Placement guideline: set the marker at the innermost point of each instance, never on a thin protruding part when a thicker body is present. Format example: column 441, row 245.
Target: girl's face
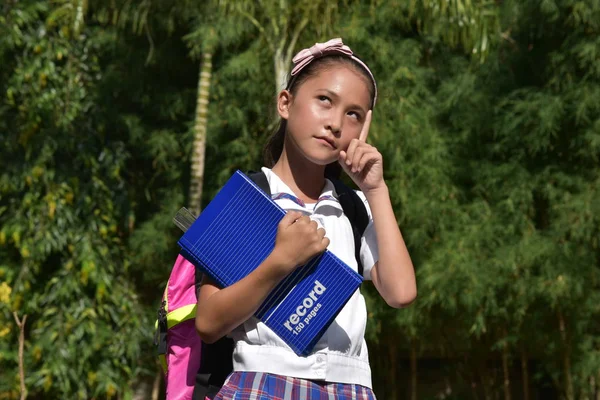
column 326, row 113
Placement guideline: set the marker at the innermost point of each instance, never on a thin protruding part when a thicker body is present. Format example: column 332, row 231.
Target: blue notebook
column 236, row 232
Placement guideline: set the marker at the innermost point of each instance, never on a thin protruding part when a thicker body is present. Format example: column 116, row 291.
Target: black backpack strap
column 355, row 210
column 261, row 181
column 216, row 364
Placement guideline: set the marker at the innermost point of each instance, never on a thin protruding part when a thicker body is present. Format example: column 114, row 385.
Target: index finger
column 365, row 129
column 290, row 217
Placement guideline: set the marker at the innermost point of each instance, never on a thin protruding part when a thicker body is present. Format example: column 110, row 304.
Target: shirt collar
column 286, row 198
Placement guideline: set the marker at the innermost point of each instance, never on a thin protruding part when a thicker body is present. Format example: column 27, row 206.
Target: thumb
column 289, row 218
column 342, row 161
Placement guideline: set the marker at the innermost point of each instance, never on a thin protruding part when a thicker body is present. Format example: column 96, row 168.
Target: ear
column 284, row 102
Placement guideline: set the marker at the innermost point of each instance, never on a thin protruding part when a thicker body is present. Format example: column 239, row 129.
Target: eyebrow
column 337, row 96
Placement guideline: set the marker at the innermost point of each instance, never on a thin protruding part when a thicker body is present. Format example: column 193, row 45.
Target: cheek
column 306, row 114
column 317, row 111
column 346, row 143
column 351, row 132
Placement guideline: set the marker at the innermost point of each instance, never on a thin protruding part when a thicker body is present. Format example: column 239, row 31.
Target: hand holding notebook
column 298, row 240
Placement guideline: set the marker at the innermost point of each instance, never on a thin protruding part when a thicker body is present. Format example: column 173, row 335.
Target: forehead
column 345, row 81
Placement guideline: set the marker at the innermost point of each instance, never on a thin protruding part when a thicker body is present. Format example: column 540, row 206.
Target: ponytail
column 274, row 146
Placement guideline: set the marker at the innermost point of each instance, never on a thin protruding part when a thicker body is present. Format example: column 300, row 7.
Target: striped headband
column 306, row 56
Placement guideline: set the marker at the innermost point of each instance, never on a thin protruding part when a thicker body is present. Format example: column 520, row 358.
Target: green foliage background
column 488, row 120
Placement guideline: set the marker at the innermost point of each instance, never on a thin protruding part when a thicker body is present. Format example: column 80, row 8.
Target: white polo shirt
column 341, row 354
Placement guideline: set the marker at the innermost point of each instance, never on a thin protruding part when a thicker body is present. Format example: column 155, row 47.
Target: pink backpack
column 179, row 346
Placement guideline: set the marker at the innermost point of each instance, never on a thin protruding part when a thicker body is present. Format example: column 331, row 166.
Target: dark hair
column 274, row 146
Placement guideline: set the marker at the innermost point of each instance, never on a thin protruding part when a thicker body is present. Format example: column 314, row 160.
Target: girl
column 325, row 117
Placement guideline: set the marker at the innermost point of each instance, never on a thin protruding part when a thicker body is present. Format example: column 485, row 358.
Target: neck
column 305, row 178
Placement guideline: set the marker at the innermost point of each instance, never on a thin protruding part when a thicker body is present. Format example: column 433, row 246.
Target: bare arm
column 219, row 311
column 393, row 275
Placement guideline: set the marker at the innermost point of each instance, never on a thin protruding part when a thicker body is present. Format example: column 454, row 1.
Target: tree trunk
column 376, row 366
column 471, row 376
column 393, row 372
column 597, row 392
column 282, row 56
column 21, row 326
column 78, row 21
column 156, row 386
column 566, row 358
column 142, row 389
column 200, row 128
column 281, row 64
column 525, row 373
column 474, row 392
column 413, row 370
column 486, row 381
column 384, row 365
column 505, row 369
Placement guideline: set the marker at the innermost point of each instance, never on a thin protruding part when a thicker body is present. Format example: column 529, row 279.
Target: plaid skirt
column 263, row 386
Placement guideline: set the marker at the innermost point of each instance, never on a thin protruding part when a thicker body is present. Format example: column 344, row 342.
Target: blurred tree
column 211, row 29
column 472, row 25
column 524, row 132
column 492, row 167
column 61, row 234
column 281, row 24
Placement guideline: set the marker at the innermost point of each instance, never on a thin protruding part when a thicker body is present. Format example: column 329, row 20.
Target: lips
column 329, row 141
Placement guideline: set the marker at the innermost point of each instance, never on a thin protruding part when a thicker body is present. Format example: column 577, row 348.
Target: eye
column 324, row 98
column 355, row 115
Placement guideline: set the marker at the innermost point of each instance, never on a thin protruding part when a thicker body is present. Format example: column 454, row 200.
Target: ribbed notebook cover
column 236, row 232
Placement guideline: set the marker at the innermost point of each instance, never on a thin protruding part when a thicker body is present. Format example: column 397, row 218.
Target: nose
column 335, row 123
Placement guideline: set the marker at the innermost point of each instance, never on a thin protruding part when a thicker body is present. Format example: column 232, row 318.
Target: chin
column 321, row 157
column 323, row 162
